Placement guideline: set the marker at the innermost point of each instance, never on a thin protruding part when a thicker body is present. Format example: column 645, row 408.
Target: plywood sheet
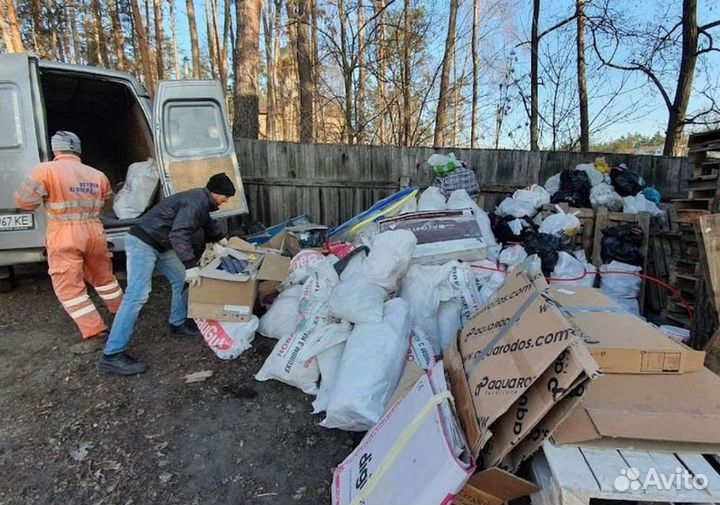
column 189, row 174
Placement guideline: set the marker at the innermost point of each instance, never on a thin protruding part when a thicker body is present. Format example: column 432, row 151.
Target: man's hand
column 219, row 248
column 192, row 277
column 223, row 241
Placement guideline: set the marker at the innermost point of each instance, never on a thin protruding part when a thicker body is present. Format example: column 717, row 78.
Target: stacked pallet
column 685, row 272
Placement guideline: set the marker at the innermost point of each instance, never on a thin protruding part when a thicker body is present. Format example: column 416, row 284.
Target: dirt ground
column 71, row 435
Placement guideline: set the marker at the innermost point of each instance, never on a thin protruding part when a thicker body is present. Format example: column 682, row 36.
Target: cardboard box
column 517, row 357
column 234, row 300
column 494, row 487
column 511, row 342
column 441, row 235
column 621, row 342
column 415, row 454
column 650, row 412
column 559, row 380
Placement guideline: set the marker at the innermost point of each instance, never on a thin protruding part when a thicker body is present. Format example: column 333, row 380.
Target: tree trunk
column 5, row 28
column 315, row 67
column 269, row 30
column 39, row 34
column 347, row 73
column 247, row 69
column 144, row 47
column 406, row 112
column 195, row 48
column 441, row 114
column 75, row 36
column 99, row 34
column 475, row 74
column 52, row 32
column 360, row 107
column 305, row 77
column 13, row 28
column 221, row 66
column 227, row 27
column 534, row 45
column 379, row 6
column 678, row 112
column 582, row 79
column 159, row 38
column 173, row 28
column 118, row 35
column 210, row 43
column 291, row 130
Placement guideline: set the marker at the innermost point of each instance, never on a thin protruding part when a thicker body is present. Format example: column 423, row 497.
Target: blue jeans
column 142, row 260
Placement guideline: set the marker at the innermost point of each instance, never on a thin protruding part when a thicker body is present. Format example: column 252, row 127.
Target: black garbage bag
column 626, row 182
column 502, row 231
column 574, row 189
column 546, row 246
column 622, row 243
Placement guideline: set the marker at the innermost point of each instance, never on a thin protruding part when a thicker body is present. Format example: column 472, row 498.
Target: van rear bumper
column 10, row 257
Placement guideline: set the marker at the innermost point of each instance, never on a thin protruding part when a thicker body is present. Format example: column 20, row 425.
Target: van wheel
column 7, row 279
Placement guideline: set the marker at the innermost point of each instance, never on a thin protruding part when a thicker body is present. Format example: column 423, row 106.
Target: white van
column 185, row 129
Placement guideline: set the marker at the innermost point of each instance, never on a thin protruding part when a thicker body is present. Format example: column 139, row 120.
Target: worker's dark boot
column 120, row 364
column 187, row 329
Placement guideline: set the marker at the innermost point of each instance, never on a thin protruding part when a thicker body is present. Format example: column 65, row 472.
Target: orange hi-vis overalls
column 74, row 194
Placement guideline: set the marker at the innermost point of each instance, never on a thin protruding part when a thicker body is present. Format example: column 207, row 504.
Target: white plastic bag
column 286, row 363
column 302, row 264
column 552, row 185
column 467, row 290
column 370, row 370
column 516, row 208
column 493, row 284
column 604, row 195
column 358, row 300
column 460, row 199
column 228, row 340
column 535, row 195
column 621, row 287
column 513, row 255
column 638, row 203
column 389, row 258
column 282, row 317
column 423, row 288
column 137, row 193
column 431, row 199
column 441, row 160
column 570, row 271
column 329, row 363
column 449, row 322
column 560, row 224
column 596, row 177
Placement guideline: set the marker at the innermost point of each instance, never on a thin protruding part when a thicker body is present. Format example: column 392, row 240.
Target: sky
column 506, row 24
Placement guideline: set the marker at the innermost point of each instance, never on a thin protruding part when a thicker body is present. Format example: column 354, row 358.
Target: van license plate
column 14, row 222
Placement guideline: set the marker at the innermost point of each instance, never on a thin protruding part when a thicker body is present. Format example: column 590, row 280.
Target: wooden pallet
column 577, row 475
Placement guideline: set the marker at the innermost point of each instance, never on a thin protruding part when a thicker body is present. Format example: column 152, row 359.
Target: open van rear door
column 193, row 139
column 22, row 142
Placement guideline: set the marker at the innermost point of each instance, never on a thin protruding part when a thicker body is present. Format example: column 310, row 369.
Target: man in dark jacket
column 162, row 240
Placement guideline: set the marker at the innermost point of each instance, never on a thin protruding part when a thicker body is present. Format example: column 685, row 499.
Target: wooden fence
column 333, row 182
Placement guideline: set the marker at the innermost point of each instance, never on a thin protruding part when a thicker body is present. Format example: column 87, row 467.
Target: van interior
column 107, row 117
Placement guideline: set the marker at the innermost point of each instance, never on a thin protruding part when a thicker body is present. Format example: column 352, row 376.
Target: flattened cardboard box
column 227, row 300
column 621, row 342
column 510, row 343
column 651, row 412
column 560, row 379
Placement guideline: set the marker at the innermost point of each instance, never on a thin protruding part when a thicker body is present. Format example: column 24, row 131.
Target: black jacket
column 172, row 223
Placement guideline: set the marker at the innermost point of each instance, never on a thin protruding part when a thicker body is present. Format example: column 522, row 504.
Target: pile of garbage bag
column 347, row 318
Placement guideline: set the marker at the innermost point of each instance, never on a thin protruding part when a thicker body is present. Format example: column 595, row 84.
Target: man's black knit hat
column 221, row 184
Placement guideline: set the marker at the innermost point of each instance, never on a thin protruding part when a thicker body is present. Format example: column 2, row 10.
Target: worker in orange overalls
column 74, row 194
